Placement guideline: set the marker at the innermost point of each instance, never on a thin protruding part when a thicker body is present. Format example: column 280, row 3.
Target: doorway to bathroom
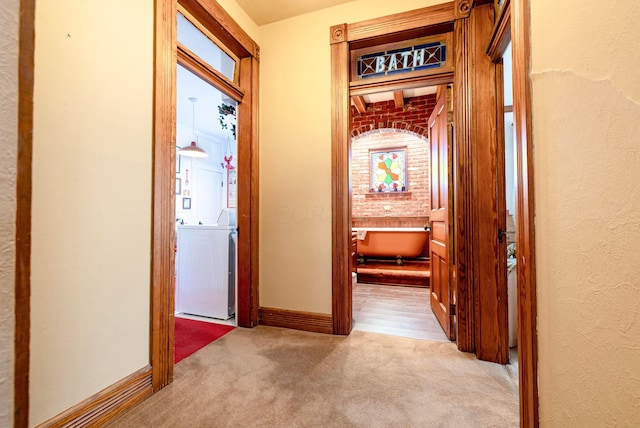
column 480, row 298
column 390, row 207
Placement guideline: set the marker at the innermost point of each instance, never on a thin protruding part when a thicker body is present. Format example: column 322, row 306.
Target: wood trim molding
column 223, row 27
column 360, row 104
column 501, row 33
column 435, row 79
column 401, row 22
column 163, row 214
column 107, row 404
column 338, row 33
column 200, row 26
column 463, row 196
column 22, row 291
column 340, row 190
column 490, row 302
column 192, row 62
column 525, row 211
column 248, row 196
column 296, row 320
column 398, row 98
column 463, row 8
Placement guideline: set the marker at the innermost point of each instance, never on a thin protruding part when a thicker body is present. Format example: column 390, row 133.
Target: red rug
column 191, row 336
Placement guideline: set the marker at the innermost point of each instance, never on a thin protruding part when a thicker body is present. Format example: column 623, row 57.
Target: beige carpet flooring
column 271, row 377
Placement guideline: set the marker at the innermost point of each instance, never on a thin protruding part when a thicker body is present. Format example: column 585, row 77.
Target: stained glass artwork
column 389, row 171
column 413, row 58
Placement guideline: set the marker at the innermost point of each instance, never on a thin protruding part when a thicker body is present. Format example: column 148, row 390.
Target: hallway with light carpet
column 285, row 378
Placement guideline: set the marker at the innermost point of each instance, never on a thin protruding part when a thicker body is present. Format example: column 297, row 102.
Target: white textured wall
column 9, row 16
column 295, row 153
column 91, row 199
column 586, row 125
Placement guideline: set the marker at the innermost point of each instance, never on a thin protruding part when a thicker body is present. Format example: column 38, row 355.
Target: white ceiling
column 267, row 11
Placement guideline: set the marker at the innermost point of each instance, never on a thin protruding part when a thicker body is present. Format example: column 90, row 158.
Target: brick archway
column 408, row 128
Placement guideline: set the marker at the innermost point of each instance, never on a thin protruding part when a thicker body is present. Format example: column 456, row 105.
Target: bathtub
column 382, row 242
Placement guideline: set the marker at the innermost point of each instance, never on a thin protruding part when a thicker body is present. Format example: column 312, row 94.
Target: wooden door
column 441, row 194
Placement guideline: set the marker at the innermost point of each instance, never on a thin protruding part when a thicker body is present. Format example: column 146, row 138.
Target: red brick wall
column 383, row 126
column 412, row 117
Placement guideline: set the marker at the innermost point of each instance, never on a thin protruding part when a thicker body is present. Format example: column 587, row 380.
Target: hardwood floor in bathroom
column 395, row 310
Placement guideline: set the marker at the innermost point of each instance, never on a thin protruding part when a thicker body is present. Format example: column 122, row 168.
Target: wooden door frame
column 22, row 303
column 513, row 25
column 525, row 229
column 514, row 21
column 220, row 23
column 475, row 292
column 439, row 18
column 342, row 37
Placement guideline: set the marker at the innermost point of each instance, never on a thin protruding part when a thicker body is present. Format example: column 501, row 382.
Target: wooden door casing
column 440, row 136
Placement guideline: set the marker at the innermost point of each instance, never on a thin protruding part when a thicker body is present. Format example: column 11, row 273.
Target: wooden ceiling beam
column 360, row 104
column 398, row 97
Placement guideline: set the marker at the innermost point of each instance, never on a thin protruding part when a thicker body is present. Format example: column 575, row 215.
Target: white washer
column 206, row 271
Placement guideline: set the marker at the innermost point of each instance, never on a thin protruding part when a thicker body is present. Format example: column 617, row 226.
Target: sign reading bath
column 402, row 60
column 408, row 56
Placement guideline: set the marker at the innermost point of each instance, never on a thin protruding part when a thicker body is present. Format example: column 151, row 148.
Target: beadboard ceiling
column 267, row 11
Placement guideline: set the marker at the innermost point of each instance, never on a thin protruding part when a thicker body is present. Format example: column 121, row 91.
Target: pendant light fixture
column 192, row 150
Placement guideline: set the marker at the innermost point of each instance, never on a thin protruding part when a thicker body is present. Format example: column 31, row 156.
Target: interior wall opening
column 205, row 199
column 205, row 189
column 509, row 166
column 390, row 205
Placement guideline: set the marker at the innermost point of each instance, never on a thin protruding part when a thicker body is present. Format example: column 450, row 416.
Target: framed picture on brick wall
column 389, row 170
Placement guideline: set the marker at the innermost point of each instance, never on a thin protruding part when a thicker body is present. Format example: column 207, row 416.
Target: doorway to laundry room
column 205, row 217
column 205, row 191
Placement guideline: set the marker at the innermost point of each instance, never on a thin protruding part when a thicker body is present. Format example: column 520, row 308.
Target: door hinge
column 501, row 235
column 452, row 309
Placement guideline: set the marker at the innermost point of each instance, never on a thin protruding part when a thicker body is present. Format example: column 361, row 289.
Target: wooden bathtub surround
column 414, row 273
